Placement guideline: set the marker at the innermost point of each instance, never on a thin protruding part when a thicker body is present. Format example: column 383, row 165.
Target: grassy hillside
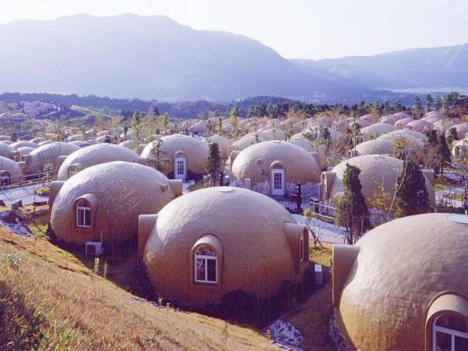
column 50, row 300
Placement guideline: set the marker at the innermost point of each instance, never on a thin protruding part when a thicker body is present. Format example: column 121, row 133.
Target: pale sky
column 312, row 29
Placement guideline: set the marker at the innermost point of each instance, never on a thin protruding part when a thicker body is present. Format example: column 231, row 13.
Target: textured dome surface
column 48, row 153
column 195, row 150
column 11, row 167
column 376, row 171
column 94, row 155
column 401, row 266
column 299, row 165
column 250, row 228
column 123, row 191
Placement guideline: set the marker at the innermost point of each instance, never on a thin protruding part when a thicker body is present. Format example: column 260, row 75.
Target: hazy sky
column 295, row 28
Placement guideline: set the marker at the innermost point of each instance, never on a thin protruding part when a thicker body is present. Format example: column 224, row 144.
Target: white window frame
column 205, row 259
column 180, row 159
column 86, row 211
column 452, row 332
column 277, row 174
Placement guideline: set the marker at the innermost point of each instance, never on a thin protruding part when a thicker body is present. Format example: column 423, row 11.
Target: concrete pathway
column 24, row 193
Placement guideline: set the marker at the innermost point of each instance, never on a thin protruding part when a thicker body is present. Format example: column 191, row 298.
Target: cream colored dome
column 94, row 155
column 375, row 147
column 462, row 130
column 248, row 140
column 7, row 151
column 377, row 171
column 395, row 273
column 420, row 126
column 401, row 123
column 376, row 130
column 118, row 193
column 23, row 143
column 13, row 169
column 298, row 164
column 48, row 153
column 195, row 151
column 224, row 144
column 247, row 230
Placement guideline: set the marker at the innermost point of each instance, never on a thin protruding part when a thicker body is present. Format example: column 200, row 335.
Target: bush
column 43, row 191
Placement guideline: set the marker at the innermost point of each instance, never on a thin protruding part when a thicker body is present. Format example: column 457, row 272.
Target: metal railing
column 24, row 180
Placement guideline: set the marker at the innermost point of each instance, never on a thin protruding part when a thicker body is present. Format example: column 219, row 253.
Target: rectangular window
column 278, row 184
column 83, row 217
column 205, row 269
column 211, row 271
column 180, row 167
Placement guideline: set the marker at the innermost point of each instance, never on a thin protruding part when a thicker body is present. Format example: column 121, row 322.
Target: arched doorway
column 277, row 179
column 180, row 166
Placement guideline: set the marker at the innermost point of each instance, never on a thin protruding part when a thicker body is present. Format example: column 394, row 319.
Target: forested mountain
column 130, row 56
column 421, row 70
column 155, row 58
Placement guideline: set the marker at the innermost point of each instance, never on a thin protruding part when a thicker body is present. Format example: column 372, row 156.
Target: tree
column 219, row 127
column 452, row 136
column 438, row 103
column 158, row 158
column 136, row 127
column 397, row 105
column 234, row 122
column 411, row 196
column 417, row 106
column 386, row 107
column 165, row 121
column 214, row 164
column 429, row 102
column 351, row 208
column 444, row 151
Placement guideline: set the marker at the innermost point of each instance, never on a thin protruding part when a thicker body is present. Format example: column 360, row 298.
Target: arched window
column 450, row 333
column 205, row 265
column 83, row 214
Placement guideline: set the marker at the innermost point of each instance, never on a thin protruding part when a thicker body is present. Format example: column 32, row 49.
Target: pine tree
column 411, row 194
column 214, row 164
column 444, row 151
column 351, row 209
column 417, row 106
column 438, row 103
column 219, row 127
column 429, row 102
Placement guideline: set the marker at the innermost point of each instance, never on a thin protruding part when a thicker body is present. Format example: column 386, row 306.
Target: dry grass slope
column 50, row 300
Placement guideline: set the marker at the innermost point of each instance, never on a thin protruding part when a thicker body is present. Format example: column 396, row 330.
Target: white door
column 180, row 168
column 277, row 181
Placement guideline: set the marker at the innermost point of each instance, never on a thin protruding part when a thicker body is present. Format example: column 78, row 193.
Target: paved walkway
column 24, row 193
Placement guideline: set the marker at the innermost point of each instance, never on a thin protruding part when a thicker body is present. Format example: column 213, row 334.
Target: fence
column 19, row 181
column 328, row 211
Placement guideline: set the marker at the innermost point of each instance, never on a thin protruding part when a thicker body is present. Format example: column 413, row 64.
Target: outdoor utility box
column 93, row 248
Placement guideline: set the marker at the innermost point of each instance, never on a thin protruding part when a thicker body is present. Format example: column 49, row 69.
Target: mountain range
column 155, row 58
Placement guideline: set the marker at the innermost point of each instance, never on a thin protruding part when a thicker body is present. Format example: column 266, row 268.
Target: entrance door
column 180, row 167
column 277, row 181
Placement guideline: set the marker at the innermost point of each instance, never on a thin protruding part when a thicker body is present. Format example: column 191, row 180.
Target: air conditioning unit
column 93, row 248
